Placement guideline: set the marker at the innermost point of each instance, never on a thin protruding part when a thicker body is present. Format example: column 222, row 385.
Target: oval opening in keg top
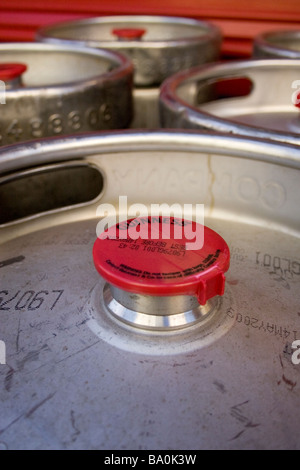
column 222, row 88
column 47, row 188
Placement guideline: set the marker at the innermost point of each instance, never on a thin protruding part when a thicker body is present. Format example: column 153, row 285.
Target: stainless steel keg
column 277, row 44
column 76, row 376
column 157, row 45
column 257, row 98
column 62, row 90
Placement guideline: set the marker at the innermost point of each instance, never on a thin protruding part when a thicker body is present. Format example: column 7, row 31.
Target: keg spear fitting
column 156, row 282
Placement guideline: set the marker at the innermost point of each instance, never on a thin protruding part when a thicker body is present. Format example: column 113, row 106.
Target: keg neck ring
column 157, row 313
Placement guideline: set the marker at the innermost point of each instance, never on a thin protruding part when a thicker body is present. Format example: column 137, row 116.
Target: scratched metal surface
column 76, row 379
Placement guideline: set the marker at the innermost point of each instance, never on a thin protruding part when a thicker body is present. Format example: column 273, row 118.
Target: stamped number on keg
column 286, row 265
column 29, row 299
column 263, row 326
column 13, row 131
column 56, row 124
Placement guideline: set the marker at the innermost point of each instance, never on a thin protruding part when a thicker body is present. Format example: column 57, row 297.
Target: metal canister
column 76, row 372
column 157, row 45
column 258, row 98
column 277, row 44
column 53, row 90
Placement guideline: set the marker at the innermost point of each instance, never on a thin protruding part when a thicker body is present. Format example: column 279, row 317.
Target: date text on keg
column 296, row 354
column 29, row 300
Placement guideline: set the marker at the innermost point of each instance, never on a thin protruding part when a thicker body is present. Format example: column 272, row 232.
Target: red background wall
column 240, row 20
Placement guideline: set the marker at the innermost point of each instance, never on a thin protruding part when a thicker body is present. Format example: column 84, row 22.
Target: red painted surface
column 140, row 256
column 11, row 71
column 240, row 21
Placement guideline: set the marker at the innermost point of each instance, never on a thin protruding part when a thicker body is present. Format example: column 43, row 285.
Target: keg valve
column 129, row 34
column 11, row 74
column 156, row 278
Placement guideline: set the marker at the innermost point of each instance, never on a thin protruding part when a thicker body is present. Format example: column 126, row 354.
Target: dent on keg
column 52, row 90
column 138, row 343
column 157, row 45
column 277, row 44
column 258, row 98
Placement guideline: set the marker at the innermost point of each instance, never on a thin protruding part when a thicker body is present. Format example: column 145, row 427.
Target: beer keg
column 100, row 351
column 50, row 90
column 158, row 46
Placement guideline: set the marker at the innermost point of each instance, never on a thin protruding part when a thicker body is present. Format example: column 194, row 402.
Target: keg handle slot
column 129, row 34
column 223, row 88
column 48, row 188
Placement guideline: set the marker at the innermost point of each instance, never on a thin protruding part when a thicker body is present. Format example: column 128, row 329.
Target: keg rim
column 76, row 147
column 123, row 68
column 268, row 44
column 170, row 100
column 211, row 31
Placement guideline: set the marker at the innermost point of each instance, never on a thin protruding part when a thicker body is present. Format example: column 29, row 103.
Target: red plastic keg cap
column 161, row 266
column 11, row 70
column 128, row 33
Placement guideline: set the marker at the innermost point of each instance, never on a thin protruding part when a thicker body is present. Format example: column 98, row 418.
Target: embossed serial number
column 55, row 124
column 29, row 300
